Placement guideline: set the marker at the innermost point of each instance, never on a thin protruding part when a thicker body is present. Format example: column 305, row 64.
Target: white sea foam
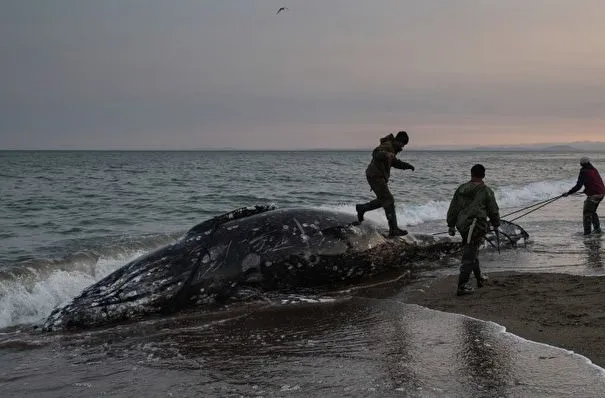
column 508, row 197
column 26, row 303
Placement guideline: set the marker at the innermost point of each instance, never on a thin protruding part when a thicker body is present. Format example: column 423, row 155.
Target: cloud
column 196, row 74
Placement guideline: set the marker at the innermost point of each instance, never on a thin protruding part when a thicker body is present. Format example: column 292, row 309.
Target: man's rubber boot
column 394, row 230
column 596, row 223
column 360, row 212
column 481, row 279
column 363, row 208
column 463, row 285
column 464, row 290
column 587, row 223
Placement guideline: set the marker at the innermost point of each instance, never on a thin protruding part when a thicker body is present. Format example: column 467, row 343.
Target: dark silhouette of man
column 472, row 204
column 378, row 173
column 594, row 189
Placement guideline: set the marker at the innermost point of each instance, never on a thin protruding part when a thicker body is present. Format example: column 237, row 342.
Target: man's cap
column 402, row 137
column 584, row 160
column 478, row 170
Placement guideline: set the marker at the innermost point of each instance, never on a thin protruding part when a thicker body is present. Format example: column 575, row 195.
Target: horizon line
column 535, row 146
column 421, row 149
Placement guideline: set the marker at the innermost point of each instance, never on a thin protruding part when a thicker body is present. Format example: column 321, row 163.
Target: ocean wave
column 31, row 289
column 508, row 197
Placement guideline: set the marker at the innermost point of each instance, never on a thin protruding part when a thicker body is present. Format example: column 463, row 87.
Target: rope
column 542, row 203
column 539, row 207
column 529, row 207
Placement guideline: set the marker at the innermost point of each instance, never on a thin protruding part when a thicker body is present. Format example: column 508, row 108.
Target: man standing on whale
column 378, row 173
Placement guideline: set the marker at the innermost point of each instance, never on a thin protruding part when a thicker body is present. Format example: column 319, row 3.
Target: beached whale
column 260, row 246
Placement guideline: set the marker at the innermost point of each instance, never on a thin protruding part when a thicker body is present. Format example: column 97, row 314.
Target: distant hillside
column 589, row 146
column 562, row 148
column 571, row 147
column 579, row 146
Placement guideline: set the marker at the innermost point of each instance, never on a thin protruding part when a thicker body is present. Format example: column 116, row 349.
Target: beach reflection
column 398, row 358
column 594, row 248
column 485, row 360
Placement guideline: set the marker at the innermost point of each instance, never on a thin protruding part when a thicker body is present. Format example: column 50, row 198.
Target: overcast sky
column 189, row 74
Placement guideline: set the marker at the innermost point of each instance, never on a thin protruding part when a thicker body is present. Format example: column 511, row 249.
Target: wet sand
column 566, row 311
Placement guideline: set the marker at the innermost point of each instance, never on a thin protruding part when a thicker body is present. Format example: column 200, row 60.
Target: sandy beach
column 558, row 309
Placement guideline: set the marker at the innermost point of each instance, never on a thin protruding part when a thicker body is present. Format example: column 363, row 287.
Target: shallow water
column 71, row 218
column 359, row 346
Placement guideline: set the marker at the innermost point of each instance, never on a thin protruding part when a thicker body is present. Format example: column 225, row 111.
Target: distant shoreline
column 546, row 147
column 572, row 150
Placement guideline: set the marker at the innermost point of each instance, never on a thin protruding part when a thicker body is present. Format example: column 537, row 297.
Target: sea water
column 70, row 218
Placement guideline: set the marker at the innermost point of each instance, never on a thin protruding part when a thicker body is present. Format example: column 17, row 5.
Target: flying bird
column 281, row 9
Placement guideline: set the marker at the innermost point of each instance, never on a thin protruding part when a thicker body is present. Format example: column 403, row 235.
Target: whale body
column 259, row 246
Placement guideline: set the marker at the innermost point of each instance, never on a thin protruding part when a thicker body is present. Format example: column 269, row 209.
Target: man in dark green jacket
column 378, row 173
column 472, row 204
